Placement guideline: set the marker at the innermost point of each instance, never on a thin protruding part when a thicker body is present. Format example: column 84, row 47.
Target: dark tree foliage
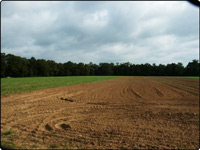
column 3, row 65
column 15, row 66
column 60, row 68
column 53, row 70
column 192, row 69
column 81, row 68
column 33, row 67
column 105, row 69
column 42, row 67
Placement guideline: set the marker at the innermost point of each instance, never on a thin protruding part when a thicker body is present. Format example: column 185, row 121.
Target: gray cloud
column 138, row 32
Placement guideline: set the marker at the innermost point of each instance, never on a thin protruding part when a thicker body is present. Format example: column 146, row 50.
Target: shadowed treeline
column 15, row 66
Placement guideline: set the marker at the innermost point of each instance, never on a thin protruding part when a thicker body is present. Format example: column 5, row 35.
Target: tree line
column 16, row 66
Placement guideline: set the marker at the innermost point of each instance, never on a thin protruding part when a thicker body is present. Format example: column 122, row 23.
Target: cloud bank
column 101, row 31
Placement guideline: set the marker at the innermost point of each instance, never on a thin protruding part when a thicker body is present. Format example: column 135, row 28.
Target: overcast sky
column 99, row 31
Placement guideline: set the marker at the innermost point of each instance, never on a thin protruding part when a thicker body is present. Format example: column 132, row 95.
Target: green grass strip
column 18, row 85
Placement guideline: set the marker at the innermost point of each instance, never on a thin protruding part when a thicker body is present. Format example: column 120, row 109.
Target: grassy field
column 19, row 85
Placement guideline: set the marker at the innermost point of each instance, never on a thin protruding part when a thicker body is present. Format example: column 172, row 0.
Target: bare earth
column 127, row 112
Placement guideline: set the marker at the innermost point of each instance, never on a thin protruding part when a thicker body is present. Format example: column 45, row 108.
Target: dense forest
column 15, row 66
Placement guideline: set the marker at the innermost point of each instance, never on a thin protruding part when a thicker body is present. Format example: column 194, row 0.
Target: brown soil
column 127, row 112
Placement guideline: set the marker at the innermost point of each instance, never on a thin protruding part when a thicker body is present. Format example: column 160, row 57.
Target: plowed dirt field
column 127, row 112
